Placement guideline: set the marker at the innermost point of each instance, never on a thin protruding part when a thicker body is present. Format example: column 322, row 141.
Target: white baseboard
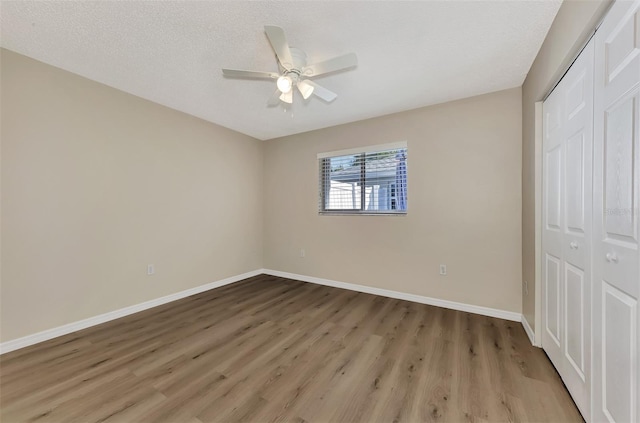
column 530, row 333
column 486, row 311
column 46, row 335
column 15, row 344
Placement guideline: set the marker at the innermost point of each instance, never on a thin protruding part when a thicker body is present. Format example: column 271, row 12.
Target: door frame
column 539, row 128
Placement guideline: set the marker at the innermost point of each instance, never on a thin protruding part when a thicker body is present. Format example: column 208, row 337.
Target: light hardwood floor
column 269, row 349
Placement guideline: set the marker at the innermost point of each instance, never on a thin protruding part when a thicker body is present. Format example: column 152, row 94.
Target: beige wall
column 573, row 24
column 96, row 184
column 464, row 169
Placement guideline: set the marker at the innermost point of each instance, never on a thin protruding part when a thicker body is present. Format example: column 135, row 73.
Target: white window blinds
column 372, row 180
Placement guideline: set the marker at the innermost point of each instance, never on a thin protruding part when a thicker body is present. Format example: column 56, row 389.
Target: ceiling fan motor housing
column 299, row 58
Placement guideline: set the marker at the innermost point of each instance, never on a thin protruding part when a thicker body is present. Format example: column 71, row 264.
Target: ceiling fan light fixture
column 285, row 83
column 305, row 89
column 287, row 97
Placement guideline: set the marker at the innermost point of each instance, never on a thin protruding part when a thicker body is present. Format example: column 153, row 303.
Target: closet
column 590, row 212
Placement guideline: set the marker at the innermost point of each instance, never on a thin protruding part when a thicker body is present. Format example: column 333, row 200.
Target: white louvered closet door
column 566, row 238
column 616, row 258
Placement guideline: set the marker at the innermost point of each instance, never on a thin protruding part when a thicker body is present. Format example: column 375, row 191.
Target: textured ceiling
column 411, row 54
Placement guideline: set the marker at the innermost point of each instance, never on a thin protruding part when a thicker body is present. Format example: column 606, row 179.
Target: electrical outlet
column 443, row 269
column 526, row 288
column 303, row 253
column 151, row 269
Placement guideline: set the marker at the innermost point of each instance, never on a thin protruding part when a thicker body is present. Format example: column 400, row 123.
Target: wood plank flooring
column 269, row 349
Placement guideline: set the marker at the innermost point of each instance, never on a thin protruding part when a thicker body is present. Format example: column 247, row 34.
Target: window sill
column 346, row 213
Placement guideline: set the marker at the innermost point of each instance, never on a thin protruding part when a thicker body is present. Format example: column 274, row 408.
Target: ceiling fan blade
column 274, row 100
column 332, row 65
column 280, row 46
column 237, row 73
column 321, row 91
column 305, row 89
column 287, row 97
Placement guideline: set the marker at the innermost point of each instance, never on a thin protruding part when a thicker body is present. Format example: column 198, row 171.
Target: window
column 369, row 180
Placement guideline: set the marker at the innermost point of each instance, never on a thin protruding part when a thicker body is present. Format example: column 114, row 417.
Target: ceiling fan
column 294, row 71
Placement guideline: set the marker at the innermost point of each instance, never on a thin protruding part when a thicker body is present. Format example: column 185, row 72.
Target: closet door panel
column 616, row 254
column 620, row 198
column 576, row 290
column 566, row 237
column 553, row 198
column 619, row 314
column 619, row 51
column 616, row 265
column 576, row 236
column 575, row 184
column 552, row 308
column 553, row 222
column 575, row 319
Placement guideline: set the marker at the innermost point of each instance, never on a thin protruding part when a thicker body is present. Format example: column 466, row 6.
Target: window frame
column 324, row 182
